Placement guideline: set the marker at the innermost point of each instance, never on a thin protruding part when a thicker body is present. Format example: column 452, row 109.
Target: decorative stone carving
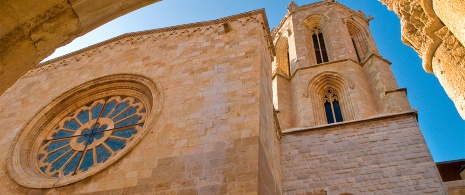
column 441, row 51
column 418, row 24
column 449, row 67
column 51, row 149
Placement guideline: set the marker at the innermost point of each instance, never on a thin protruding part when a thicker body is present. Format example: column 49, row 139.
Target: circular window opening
column 84, row 131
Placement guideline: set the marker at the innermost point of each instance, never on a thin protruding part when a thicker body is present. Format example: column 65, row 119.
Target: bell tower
column 328, row 69
column 346, row 125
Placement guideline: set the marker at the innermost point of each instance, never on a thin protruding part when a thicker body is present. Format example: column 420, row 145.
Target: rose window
column 90, row 135
column 84, row 130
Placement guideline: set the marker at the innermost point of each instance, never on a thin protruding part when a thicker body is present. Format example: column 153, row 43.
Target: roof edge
column 172, row 28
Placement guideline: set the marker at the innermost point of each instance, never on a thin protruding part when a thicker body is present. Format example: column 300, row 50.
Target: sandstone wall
column 384, row 155
column 206, row 139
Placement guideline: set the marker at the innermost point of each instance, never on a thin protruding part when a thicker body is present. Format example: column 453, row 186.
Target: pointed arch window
column 282, row 56
column 358, row 37
column 357, row 48
column 319, row 46
column 332, row 107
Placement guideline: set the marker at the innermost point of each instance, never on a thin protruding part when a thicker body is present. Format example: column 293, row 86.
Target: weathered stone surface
column 218, row 132
column 215, row 118
column 451, row 14
column 386, row 156
column 33, row 30
column 425, row 27
column 377, row 147
column 419, row 23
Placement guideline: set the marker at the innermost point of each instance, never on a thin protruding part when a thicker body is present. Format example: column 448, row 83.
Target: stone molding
column 441, row 51
column 418, row 26
column 22, row 166
column 372, row 55
column 258, row 16
column 312, row 6
column 319, row 127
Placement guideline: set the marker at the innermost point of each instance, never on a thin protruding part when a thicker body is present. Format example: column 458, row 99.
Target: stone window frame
column 314, row 26
column 316, row 89
column 282, row 56
column 358, row 38
column 319, row 46
column 331, row 99
column 22, row 158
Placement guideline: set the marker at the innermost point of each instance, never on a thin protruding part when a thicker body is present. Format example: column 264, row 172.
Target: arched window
column 282, row 56
column 332, row 107
column 358, row 37
column 357, row 49
column 319, row 46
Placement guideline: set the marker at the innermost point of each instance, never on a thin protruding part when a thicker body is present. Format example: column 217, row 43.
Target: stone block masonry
column 386, row 155
column 206, row 139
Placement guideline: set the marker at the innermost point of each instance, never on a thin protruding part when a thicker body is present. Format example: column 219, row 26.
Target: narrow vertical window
column 332, row 107
column 356, row 50
column 288, row 63
column 319, row 46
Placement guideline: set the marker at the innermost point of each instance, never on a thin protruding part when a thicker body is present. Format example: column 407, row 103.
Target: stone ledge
column 454, row 184
column 300, row 129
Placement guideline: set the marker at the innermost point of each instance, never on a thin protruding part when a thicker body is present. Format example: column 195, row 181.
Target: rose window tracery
column 90, row 135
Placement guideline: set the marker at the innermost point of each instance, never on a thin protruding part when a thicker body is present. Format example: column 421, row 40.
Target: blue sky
column 441, row 125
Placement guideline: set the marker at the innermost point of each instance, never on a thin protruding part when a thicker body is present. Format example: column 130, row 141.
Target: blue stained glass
column 86, row 134
column 102, row 154
column 108, row 108
column 62, row 134
column 337, row 111
column 87, row 161
column 96, row 136
column 89, row 136
column 56, row 144
column 126, row 133
column 72, row 124
column 125, row 114
column 96, row 111
column 57, row 154
column 118, row 109
column 61, row 156
column 128, row 122
column 71, row 166
column 98, row 129
column 115, row 144
column 329, row 113
column 83, row 116
column 58, row 164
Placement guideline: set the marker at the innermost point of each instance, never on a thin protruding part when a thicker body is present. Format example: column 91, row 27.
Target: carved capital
column 418, row 25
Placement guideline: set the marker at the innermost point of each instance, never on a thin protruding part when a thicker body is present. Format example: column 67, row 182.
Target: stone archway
column 32, row 30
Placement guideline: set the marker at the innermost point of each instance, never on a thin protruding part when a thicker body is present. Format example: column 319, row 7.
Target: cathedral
column 219, row 107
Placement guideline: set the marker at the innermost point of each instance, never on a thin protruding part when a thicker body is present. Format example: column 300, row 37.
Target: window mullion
column 320, row 51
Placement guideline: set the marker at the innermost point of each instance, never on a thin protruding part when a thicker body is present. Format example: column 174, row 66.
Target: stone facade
column 216, row 119
column 34, row 30
column 235, row 115
column 385, row 155
column 378, row 147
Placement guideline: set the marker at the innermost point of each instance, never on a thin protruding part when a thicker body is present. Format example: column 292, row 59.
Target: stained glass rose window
column 84, row 130
column 90, row 135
